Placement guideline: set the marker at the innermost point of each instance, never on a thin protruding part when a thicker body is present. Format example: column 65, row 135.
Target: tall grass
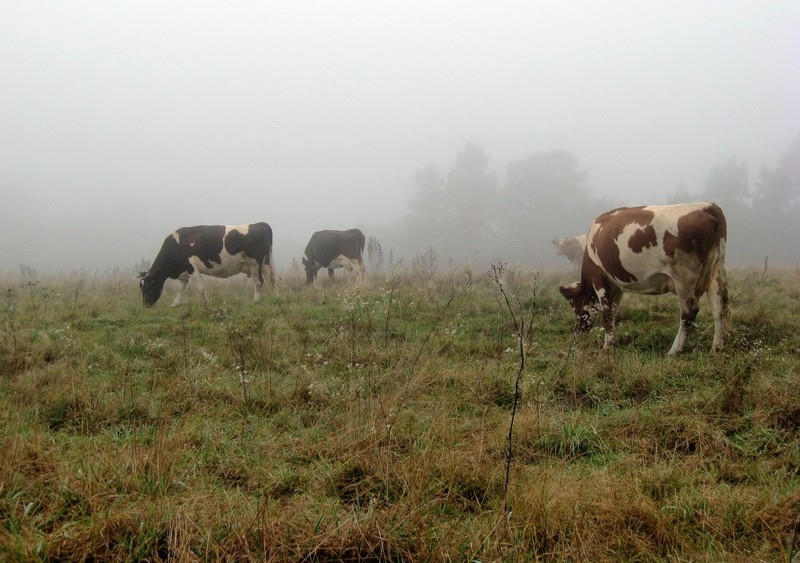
column 372, row 422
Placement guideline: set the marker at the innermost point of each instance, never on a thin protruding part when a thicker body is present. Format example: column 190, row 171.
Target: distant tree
column 430, row 201
column 775, row 222
column 471, row 189
column 548, row 177
column 454, row 214
column 728, row 184
column 680, row 195
column 778, row 188
column 546, row 196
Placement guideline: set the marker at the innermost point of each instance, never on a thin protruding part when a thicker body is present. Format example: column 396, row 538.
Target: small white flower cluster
column 244, row 375
column 154, row 346
column 208, row 357
column 316, row 359
column 220, row 315
column 65, row 335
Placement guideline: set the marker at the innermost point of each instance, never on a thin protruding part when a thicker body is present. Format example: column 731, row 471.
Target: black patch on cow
column 204, row 241
column 255, row 244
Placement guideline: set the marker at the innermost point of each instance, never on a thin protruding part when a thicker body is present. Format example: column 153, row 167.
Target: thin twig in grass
column 522, row 328
column 184, row 343
column 45, row 296
column 241, row 344
column 30, row 284
column 11, row 311
column 392, row 288
column 78, row 288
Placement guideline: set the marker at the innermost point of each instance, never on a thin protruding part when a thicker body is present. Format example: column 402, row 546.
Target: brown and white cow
column 335, row 249
column 572, row 248
column 220, row 251
column 653, row 250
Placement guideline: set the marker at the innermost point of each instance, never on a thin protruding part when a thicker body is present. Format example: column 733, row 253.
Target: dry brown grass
column 371, row 423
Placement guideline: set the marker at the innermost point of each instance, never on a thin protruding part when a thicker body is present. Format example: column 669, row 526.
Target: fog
column 122, row 121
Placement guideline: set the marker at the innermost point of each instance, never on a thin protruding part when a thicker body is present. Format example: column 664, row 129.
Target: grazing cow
column 335, row 249
column 572, row 248
column 220, row 251
column 653, row 250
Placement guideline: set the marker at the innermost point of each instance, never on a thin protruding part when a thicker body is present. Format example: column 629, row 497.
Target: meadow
column 374, row 422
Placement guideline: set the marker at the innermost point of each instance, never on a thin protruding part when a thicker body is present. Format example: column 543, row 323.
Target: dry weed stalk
column 523, row 321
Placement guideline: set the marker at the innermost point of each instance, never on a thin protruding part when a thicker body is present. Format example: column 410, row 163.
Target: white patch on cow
column 351, row 264
column 651, row 267
column 244, row 229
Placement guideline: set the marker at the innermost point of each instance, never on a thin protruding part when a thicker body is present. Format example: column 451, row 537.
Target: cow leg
column 201, row 287
column 330, row 273
column 718, row 295
column 689, row 310
column 257, row 275
column 198, row 277
column 361, row 271
column 608, row 300
column 261, row 273
column 183, row 280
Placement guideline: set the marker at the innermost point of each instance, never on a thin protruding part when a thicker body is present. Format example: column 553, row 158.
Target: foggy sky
column 311, row 115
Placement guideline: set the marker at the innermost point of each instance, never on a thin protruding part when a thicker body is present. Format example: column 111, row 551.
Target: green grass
column 346, row 422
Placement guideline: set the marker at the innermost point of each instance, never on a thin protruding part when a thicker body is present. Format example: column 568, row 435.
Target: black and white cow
column 220, row 251
column 335, row 249
column 652, row 250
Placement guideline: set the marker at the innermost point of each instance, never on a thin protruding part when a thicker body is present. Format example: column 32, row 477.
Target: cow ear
column 570, row 291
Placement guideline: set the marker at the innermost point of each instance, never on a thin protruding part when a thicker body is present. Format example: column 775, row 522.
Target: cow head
column 151, row 288
column 311, row 270
column 582, row 300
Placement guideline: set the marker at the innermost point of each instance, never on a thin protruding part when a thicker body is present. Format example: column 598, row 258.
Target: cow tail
column 722, row 283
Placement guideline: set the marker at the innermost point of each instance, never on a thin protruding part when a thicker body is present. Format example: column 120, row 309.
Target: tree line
column 466, row 214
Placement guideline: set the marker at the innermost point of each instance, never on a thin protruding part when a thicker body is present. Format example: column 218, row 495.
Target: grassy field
column 373, row 423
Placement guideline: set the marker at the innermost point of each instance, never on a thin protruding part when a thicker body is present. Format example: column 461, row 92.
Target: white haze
column 120, row 121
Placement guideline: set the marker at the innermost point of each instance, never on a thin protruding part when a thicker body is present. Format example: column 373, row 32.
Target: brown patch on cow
column 642, row 239
column 670, row 242
column 701, row 231
column 610, row 227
